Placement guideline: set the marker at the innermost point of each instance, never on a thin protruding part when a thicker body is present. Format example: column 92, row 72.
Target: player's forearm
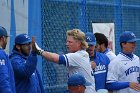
column 117, row 85
column 51, row 56
column 47, row 55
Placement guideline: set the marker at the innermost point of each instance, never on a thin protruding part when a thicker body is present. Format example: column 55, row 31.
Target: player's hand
column 135, row 86
column 93, row 65
column 35, row 47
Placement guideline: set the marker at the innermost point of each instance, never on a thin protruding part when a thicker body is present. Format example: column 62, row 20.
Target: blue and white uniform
column 7, row 82
column 27, row 77
column 78, row 62
column 100, row 72
column 108, row 52
column 122, row 70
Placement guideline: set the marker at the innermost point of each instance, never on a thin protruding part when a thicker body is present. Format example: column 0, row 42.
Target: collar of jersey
column 129, row 56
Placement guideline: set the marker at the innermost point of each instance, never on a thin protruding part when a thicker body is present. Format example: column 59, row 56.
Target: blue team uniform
column 100, row 72
column 7, row 83
column 27, row 77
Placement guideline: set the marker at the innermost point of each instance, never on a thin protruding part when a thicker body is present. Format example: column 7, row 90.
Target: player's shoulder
column 117, row 59
column 110, row 53
column 135, row 57
column 101, row 55
column 2, row 53
column 81, row 53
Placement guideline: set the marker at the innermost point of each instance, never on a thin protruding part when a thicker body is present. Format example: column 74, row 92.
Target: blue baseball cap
column 22, row 39
column 128, row 36
column 3, row 32
column 90, row 38
column 78, row 79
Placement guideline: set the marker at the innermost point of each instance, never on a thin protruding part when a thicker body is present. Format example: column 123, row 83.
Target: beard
column 25, row 52
column 4, row 45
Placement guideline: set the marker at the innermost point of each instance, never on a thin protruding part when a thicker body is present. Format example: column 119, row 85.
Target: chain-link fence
column 58, row 16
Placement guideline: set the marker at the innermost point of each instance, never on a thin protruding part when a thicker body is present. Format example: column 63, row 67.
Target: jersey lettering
column 2, row 62
column 131, row 70
column 100, row 67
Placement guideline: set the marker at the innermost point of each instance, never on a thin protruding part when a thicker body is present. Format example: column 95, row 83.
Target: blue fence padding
column 12, row 26
column 34, row 25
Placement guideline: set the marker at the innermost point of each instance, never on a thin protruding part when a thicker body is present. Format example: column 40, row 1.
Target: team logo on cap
column 89, row 38
column 132, row 34
column 26, row 36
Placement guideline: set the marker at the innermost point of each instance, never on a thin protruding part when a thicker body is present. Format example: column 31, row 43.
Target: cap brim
column 88, row 83
column 29, row 41
column 134, row 40
column 91, row 43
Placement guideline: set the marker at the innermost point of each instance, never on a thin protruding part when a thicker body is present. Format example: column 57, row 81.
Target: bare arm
column 51, row 56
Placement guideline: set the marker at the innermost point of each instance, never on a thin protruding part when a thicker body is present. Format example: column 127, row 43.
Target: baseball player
column 77, row 60
column 124, row 71
column 24, row 62
column 101, row 61
column 7, row 82
column 102, row 46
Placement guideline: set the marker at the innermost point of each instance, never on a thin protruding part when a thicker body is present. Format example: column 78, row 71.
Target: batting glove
column 39, row 50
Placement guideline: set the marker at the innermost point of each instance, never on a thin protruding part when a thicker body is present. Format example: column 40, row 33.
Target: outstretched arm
column 47, row 55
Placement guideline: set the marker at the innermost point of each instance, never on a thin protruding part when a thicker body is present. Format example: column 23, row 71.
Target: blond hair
column 78, row 35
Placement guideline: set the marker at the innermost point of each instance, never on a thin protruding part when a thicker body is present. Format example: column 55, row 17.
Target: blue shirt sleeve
column 117, row 85
column 5, row 86
column 62, row 60
column 4, row 80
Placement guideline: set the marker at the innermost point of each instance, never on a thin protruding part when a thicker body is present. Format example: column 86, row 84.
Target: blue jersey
column 7, row 83
column 26, row 75
column 100, row 72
